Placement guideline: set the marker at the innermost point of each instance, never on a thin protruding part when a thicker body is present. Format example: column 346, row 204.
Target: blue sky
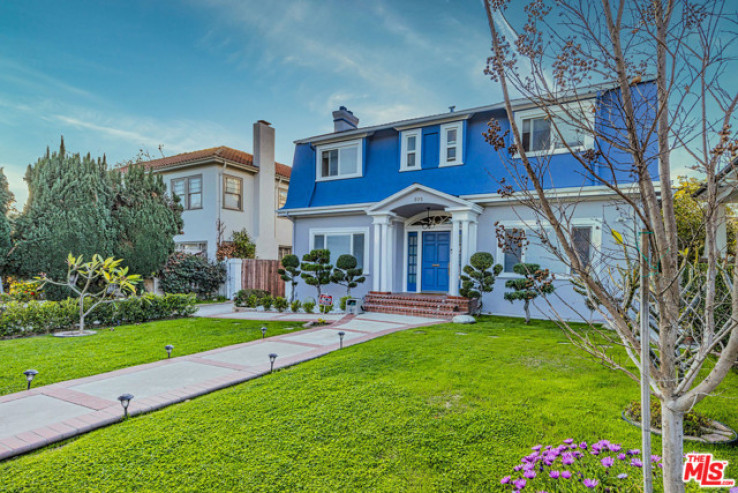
column 114, row 77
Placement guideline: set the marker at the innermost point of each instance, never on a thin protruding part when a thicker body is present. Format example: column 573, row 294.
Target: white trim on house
column 595, row 192
column 458, row 144
column 444, row 199
column 404, row 151
column 326, row 210
column 339, row 146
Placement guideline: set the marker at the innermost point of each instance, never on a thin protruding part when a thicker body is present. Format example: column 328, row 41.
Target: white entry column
column 383, row 258
column 376, row 254
column 388, row 255
column 455, row 260
column 464, row 228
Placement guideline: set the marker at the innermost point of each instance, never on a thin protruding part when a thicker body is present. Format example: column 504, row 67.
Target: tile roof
column 222, row 152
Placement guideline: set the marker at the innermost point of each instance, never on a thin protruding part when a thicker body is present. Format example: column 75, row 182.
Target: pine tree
column 68, row 211
column 146, row 219
column 6, row 201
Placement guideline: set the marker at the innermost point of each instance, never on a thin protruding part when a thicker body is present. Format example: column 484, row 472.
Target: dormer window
column 410, row 149
column 452, row 138
column 541, row 137
column 339, row 160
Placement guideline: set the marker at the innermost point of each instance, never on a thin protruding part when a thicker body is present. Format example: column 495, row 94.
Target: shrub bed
column 41, row 317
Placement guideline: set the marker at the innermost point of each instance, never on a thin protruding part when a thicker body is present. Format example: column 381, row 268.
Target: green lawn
column 422, row 410
column 59, row 359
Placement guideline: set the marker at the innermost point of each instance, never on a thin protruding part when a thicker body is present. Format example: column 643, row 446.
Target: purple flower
column 622, row 456
column 519, row 483
column 567, row 459
column 634, row 452
column 583, row 445
column 636, row 463
column 518, row 467
column 655, row 458
column 566, row 474
column 595, row 451
column 505, row 480
column 530, row 474
column 569, row 441
column 554, row 474
column 590, row 483
column 614, row 447
column 622, row 476
column 733, row 490
column 537, row 448
column 608, row 461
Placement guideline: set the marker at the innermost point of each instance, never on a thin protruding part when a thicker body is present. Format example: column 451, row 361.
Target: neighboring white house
column 241, row 190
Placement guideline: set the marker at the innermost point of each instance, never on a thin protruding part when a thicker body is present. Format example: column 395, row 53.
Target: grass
column 59, row 359
column 444, row 408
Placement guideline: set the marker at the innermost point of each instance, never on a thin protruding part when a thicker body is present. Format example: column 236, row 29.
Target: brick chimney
column 343, row 120
column 265, row 220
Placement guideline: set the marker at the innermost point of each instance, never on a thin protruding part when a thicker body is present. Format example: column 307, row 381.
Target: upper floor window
column 281, row 197
column 410, row 148
column 189, row 190
column 339, row 160
column 452, row 144
column 232, row 192
column 557, row 131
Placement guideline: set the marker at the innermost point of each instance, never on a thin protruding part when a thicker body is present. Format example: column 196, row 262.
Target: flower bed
column 41, row 317
column 570, row 466
column 697, row 427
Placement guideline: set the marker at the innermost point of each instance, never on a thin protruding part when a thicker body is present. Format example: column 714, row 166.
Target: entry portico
column 437, row 232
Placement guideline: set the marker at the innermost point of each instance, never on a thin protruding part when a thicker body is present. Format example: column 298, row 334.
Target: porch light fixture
column 430, row 222
column 263, row 332
column 272, row 357
column 340, row 337
column 29, row 377
column 125, row 400
column 169, row 349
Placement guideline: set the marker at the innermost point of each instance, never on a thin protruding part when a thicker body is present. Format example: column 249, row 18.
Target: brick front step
column 426, row 305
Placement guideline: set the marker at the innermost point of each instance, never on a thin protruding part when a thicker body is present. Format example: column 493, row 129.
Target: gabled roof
column 221, row 153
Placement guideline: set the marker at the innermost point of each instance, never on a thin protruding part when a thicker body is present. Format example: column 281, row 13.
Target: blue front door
column 436, row 254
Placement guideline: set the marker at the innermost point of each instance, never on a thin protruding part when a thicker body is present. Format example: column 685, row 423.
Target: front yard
column 65, row 359
column 443, row 408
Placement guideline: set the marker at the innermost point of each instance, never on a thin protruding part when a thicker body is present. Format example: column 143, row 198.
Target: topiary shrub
column 478, row 278
column 290, row 272
column 316, row 269
column 535, row 282
column 187, row 273
column 347, row 274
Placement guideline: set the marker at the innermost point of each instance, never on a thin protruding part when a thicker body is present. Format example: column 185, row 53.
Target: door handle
column 435, row 265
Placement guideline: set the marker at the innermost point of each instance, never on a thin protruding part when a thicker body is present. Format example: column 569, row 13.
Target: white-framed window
column 340, row 160
column 342, row 241
column 189, row 190
column 410, row 148
column 232, row 193
column 452, row 144
column 281, row 197
column 586, row 238
column 192, row 247
column 556, row 132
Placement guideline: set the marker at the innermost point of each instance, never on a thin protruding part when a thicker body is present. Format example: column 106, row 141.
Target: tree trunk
column 672, row 439
column 81, row 314
column 526, row 307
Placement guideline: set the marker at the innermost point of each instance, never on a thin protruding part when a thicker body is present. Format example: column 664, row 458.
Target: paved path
column 33, row 419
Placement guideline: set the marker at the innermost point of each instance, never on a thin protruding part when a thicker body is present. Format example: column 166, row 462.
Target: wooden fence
column 262, row 274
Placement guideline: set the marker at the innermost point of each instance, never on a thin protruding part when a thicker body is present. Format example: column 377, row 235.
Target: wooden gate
column 262, row 274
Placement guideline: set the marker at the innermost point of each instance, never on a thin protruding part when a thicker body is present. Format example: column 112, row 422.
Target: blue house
column 412, row 200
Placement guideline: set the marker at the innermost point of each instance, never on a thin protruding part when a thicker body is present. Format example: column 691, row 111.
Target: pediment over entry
column 419, row 197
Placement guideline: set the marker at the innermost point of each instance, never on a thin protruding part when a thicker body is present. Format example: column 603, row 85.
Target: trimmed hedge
column 41, row 317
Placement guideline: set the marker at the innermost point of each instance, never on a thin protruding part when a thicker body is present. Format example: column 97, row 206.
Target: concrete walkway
column 33, row 419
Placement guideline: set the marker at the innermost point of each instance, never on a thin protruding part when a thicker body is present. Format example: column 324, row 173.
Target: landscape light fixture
column 272, row 357
column 263, row 332
column 169, row 349
column 340, row 337
column 125, row 400
column 29, row 377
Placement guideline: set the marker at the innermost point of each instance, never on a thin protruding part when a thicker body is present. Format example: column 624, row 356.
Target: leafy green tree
column 69, row 209
column 316, row 269
column 535, row 282
column 290, row 272
column 6, row 201
column 478, row 278
column 243, row 246
column 146, row 218
column 347, row 274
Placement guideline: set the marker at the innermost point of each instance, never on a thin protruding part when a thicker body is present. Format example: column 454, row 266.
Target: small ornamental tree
column 347, row 274
column 535, row 282
column 100, row 281
column 316, row 268
column 478, row 278
column 290, row 272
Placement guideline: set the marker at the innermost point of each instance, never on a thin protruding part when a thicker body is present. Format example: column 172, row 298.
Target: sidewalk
column 33, row 419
